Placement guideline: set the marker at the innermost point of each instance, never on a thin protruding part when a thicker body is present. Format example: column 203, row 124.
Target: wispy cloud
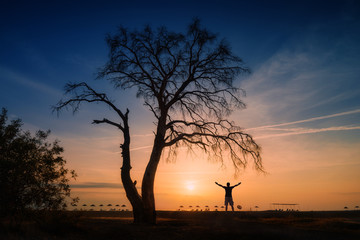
column 307, row 120
column 302, row 79
column 97, row 185
column 297, row 131
column 302, row 130
column 8, row 75
column 140, row 148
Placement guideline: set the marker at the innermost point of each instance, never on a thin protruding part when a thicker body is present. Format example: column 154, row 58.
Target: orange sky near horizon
column 302, row 169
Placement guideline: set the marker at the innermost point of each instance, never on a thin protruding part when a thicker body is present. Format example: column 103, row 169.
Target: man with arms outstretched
column 228, row 194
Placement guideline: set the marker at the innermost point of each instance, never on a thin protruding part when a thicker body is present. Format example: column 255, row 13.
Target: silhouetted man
column 228, row 194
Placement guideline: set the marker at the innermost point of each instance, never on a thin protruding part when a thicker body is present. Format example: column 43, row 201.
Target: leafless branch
column 187, row 79
column 109, row 122
column 82, row 92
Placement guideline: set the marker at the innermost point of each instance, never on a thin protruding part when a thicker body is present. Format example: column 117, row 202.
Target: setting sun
column 190, row 186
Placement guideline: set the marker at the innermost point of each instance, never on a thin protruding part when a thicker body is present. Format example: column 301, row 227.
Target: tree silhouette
column 33, row 174
column 186, row 81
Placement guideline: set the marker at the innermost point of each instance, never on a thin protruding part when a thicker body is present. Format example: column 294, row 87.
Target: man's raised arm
column 237, row 184
column 219, row 184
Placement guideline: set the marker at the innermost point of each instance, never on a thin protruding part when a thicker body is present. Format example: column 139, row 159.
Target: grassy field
column 189, row 225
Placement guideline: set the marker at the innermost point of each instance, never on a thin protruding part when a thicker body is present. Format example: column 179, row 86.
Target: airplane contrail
column 307, row 120
column 310, row 130
column 139, row 148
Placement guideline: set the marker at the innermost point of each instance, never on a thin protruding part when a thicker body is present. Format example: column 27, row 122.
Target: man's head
column 228, row 184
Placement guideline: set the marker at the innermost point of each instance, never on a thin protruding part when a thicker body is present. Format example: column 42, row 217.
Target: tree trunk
column 143, row 206
column 148, row 184
column 149, row 175
column 130, row 186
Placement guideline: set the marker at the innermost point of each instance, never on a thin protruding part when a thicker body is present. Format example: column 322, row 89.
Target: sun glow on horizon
column 190, row 186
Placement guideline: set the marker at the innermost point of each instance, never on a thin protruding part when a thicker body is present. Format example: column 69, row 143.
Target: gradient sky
column 303, row 96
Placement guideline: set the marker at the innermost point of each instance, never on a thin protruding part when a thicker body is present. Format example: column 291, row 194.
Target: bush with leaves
column 33, row 175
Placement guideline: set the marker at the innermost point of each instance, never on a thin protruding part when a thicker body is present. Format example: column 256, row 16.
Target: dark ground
column 189, row 225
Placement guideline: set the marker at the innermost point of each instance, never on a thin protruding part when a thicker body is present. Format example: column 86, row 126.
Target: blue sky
column 304, row 57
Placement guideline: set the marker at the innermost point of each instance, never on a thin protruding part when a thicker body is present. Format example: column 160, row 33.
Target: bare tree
column 186, row 81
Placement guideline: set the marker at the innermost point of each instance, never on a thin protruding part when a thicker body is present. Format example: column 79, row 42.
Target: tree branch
column 109, row 122
column 82, row 92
